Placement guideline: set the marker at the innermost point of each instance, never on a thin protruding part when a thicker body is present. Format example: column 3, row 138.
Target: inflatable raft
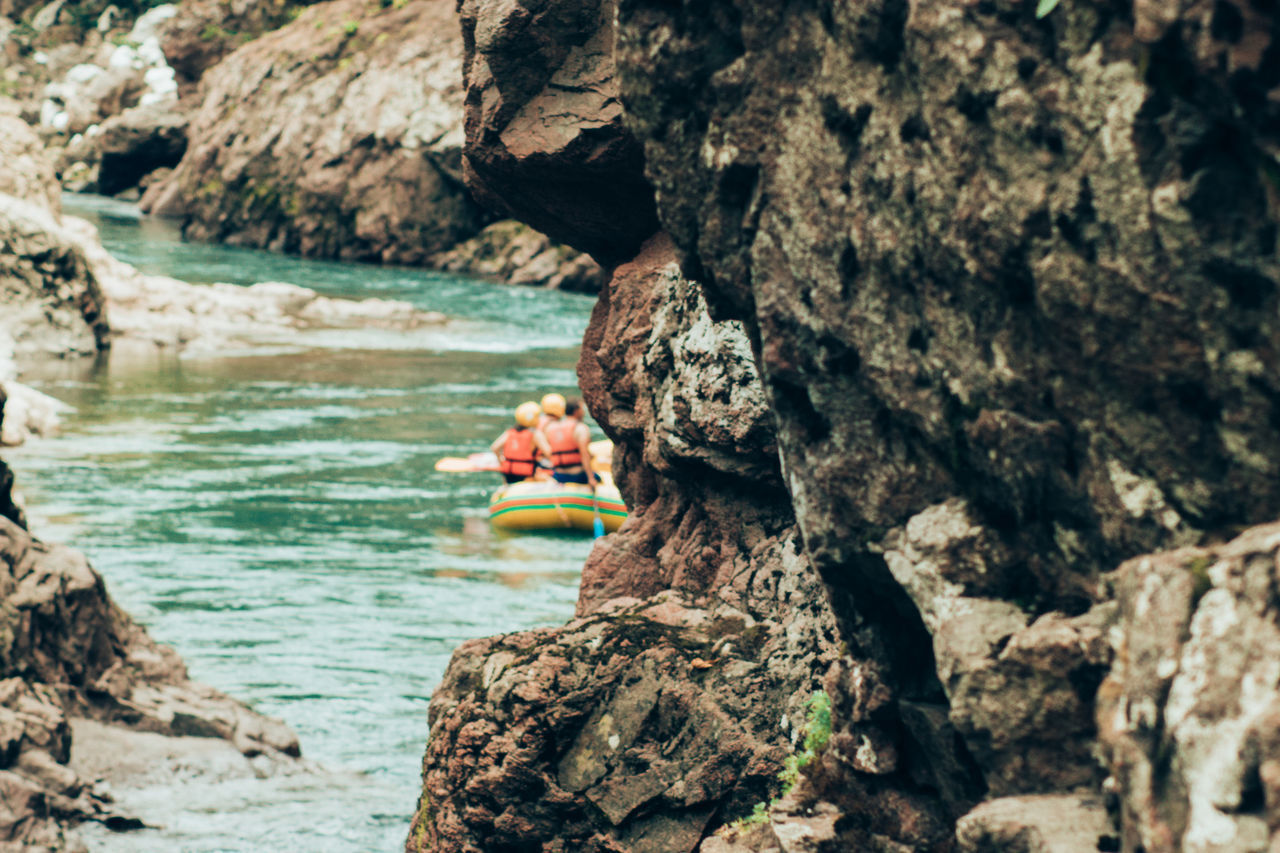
column 548, row 505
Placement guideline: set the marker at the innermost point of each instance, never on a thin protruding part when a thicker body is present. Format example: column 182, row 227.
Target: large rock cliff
column 1002, row 292
column 336, row 135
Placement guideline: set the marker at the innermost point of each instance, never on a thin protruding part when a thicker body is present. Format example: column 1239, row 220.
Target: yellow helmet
column 553, row 404
column 527, row 414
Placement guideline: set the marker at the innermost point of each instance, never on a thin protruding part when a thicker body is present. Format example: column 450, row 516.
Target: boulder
column 1189, row 715
column 514, row 253
column 338, row 135
column 546, row 141
column 627, row 730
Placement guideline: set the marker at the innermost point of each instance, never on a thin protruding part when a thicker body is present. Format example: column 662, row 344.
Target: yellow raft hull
column 548, row 505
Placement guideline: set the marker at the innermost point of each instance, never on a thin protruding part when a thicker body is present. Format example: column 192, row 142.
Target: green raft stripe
column 505, row 507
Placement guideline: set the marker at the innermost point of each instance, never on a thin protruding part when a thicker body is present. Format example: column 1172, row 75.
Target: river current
column 274, row 515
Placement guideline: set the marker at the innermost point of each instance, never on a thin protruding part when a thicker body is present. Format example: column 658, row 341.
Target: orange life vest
column 519, row 453
column 564, row 448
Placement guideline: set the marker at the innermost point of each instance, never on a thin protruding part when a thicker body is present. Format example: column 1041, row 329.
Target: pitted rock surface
column 1027, row 265
column 973, row 268
column 338, row 135
column 678, row 391
column 626, row 730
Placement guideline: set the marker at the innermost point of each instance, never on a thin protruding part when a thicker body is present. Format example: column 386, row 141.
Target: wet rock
column 338, row 135
column 516, row 254
column 10, row 503
column 546, row 142
column 59, row 627
column 1188, row 714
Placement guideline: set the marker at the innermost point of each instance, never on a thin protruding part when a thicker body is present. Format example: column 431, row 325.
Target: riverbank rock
column 25, row 171
column 514, row 253
column 52, row 300
column 1197, row 677
column 151, row 313
column 66, row 649
column 338, row 135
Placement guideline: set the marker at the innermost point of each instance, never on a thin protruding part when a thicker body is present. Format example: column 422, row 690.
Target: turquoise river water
column 275, row 516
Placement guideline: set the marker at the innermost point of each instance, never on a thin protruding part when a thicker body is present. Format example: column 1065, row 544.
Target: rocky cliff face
column 308, row 141
column 1008, row 287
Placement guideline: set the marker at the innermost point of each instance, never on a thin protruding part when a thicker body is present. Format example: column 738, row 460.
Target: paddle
column 597, row 523
column 468, row 464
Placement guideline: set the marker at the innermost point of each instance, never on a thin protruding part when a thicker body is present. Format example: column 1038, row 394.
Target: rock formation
column 66, row 649
column 336, row 135
column 544, row 126
column 53, row 302
column 1008, row 287
column 204, row 31
column 512, row 252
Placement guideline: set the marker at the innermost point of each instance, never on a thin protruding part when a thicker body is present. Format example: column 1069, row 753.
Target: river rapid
column 274, row 515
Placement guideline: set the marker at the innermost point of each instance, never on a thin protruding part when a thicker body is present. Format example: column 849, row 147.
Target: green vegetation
column 817, row 732
column 420, row 822
column 84, row 14
column 213, row 32
column 1200, row 581
column 1044, row 7
column 211, row 188
column 350, row 28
